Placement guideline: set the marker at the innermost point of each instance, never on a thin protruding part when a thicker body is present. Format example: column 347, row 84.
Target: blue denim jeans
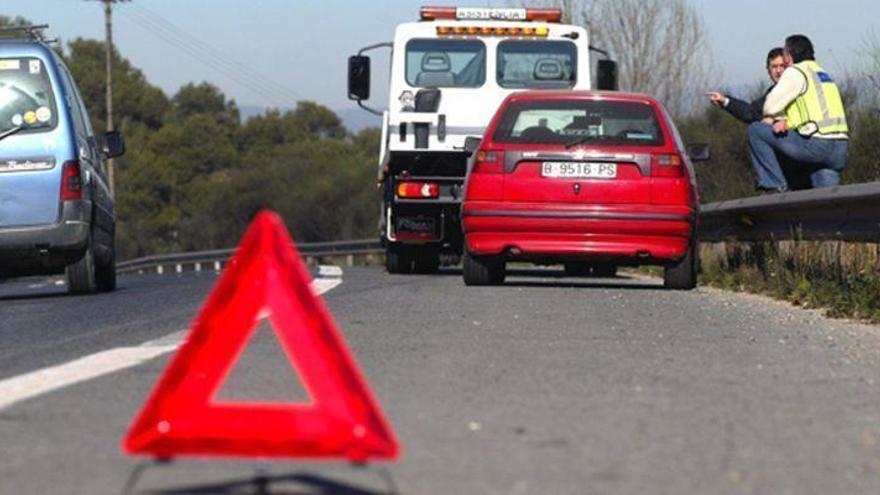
column 821, row 159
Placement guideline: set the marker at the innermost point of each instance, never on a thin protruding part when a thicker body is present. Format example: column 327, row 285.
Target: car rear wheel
column 683, row 275
column 482, row 270
column 605, row 270
column 105, row 273
column 81, row 274
column 397, row 260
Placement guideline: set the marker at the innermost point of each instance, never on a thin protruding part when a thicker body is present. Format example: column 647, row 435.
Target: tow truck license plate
column 579, row 170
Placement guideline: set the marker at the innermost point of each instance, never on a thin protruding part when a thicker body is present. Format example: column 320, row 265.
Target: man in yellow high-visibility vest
column 804, row 120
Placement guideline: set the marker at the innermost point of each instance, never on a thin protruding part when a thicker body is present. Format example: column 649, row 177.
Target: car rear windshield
column 537, row 64
column 446, row 63
column 580, row 121
column 26, row 98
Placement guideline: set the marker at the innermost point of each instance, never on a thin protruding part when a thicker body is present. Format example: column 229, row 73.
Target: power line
column 211, row 57
column 218, row 55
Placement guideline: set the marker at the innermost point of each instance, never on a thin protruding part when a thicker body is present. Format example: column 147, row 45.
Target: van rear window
column 26, row 98
column 580, row 121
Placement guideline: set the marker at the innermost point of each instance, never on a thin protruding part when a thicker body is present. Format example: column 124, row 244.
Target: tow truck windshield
column 537, row 64
column 446, row 63
column 26, row 99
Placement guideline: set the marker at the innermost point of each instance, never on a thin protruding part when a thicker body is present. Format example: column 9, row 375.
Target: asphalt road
column 546, row 385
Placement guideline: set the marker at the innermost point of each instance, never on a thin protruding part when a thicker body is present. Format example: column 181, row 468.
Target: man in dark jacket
column 754, row 112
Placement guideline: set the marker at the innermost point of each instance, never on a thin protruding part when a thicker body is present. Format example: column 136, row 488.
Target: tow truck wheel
column 427, row 262
column 397, row 260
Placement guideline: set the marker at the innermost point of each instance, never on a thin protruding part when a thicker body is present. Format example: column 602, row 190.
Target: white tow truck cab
column 449, row 73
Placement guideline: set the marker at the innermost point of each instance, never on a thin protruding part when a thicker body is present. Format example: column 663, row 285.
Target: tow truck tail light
column 663, row 165
column 490, row 14
column 418, row 190
column 71, row 181
column 488, row 162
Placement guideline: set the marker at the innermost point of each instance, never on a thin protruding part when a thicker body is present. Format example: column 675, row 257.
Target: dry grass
column 841, row 277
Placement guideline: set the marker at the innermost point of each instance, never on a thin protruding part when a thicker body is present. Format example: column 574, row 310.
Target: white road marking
column 36, row 383
column 329, row 271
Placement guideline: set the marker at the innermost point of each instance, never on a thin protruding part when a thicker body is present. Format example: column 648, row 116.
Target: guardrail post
column 198, row 267
column 159, row 270
column 216, row 266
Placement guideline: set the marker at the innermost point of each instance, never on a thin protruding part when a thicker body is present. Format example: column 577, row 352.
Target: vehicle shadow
column 58, row 294
column 558, row 279
column 262, row 485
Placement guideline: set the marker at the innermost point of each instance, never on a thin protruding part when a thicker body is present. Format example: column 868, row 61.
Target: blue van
column 56, row 208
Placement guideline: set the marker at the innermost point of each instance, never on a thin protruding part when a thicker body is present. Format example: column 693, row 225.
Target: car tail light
column 418, row 190
column 488, row 162
column 667, row 166
column 71, row 181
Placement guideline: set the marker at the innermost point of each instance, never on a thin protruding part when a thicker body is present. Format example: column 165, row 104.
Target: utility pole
column 108, row 67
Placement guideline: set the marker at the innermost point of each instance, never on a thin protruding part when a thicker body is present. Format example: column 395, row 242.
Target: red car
column 592, row 180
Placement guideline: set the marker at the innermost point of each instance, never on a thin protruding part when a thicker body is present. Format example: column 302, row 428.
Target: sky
column 274, row 52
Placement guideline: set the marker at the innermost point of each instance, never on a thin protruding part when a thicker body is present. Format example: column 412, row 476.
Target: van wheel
column 397, row 260
column 480, row 270
column 105, row 274
column 605, row 270
column 81, row 276
column 575, row 269
column 683, row 275
column 427, row 262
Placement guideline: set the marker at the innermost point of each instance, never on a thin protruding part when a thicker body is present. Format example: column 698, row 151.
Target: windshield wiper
column 6, row 134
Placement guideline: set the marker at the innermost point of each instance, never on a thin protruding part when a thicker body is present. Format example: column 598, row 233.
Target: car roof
column 20, row 47
column 544, row 95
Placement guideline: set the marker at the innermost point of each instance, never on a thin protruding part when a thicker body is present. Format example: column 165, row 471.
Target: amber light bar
column 490, row 14
column 491, row 31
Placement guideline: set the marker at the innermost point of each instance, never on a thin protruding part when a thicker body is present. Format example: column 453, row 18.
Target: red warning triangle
column 265, row 278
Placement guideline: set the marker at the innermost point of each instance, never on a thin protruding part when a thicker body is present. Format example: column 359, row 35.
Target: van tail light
column 418, row 190
column 488, row 162
column 667, row 166
column 71, row 181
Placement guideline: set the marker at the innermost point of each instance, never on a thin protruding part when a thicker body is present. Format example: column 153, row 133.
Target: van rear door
column 30, row 178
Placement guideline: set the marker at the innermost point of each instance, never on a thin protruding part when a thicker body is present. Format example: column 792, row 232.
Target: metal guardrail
column 843, row 213
column 215, row 259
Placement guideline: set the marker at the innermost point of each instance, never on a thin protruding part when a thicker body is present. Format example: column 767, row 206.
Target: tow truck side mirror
column 358, row 77
column 472, row 144
column 606, row 77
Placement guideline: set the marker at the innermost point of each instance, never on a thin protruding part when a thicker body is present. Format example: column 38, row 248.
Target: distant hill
column 354, row 118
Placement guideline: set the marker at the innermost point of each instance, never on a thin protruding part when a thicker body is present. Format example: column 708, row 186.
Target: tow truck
column 449, row 72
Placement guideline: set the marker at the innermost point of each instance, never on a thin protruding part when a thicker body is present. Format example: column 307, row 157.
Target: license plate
column 416, row 225
column 579, row 170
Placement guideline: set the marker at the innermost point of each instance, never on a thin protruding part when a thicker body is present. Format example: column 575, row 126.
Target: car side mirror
column 472, row 144
column 358, row 77
column 606, row 76
column 114, row 144
column 699, row 152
